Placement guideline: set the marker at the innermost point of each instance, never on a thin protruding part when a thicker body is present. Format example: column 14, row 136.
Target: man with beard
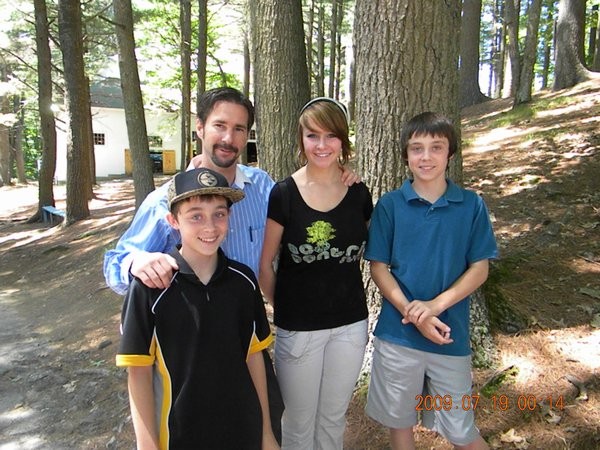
column 225, row 117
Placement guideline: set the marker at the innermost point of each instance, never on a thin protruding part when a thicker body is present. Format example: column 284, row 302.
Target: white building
column 110, row 132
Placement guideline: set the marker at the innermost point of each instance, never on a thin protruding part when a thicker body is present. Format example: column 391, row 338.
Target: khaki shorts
column 405, row 381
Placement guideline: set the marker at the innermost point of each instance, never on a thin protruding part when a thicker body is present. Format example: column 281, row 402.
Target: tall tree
column 569, row 69
column 47, row 123
column 202, row 54
column 185, row 20
column 525, row 84
column 470, row 92
column 499, row 49
column 333, row 39
column 547, row 35
column 592, row 41
column 320, row 75
column 135, row 118
column 596, row 62
column 511, row 18
column 17, row 138
column 78, row 109
column 281, row 80
column 6, row 122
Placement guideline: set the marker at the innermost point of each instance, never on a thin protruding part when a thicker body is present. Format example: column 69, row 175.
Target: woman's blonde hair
column 330, row 115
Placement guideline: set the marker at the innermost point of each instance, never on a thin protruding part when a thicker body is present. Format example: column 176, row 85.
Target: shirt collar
column 185, row 269
column 453, row 193
column 241, row 179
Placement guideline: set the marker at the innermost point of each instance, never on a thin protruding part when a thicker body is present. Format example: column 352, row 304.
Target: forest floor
column 538, row 170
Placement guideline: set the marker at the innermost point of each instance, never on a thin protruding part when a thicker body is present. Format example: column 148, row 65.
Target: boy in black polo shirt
column 193, row 350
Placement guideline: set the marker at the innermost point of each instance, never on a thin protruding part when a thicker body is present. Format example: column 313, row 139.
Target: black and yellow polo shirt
column 197, row 338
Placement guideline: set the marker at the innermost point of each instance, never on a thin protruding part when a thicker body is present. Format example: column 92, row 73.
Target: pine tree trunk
column 470, row 92
column 281, row 81
column 333, row 48
column 511, row 16
column 525, row 86
column 568, row 68
column 186, row 87
column 47, row 123
column 77, row 106
column 143, row 179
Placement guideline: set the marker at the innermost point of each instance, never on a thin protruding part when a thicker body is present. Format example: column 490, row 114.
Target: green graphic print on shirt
column 319, row 234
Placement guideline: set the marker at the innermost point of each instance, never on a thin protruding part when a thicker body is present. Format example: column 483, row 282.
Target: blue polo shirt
column 428, row 247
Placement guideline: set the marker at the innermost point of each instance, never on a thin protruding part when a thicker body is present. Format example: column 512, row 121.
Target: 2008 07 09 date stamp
column 523, row 402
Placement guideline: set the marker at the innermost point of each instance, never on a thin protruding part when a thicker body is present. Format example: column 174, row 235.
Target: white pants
column 317, row 372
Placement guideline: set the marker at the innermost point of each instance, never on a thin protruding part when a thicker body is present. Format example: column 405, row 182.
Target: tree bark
column 77, row 106
column 568, row 67
column 402, row 69
column 499, row 50
column 470, row 92
column 202, row 56
column 17, row 138
column 547, row 37
column 185, row 19
column 525, row 85
column 596, row 59
column 511, row 16
column 47, row 123
column 137, row 134
column 309, row 44
column 281, row 81
column 333, row 47
column 320, row 76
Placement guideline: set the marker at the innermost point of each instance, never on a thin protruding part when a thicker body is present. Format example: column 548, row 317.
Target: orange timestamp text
column 523, row 402
column 445, row 402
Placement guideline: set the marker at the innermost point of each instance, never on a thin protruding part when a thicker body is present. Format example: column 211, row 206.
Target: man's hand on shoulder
column 349, row 177
column 155, row 270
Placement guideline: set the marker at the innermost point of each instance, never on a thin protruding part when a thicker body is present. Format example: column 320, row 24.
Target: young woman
column 315, row 234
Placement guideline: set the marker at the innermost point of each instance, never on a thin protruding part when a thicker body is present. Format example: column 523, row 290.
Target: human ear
column 172, row 219
column 199, row 128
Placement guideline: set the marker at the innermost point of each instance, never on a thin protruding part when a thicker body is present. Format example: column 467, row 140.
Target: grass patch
column 516, row 115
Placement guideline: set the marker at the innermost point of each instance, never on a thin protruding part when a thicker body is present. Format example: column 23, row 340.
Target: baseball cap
column 201, row 181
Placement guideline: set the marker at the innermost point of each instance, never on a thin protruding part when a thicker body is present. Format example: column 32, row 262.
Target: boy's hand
column 155, row 270
column 435, row 330
column 418, row 311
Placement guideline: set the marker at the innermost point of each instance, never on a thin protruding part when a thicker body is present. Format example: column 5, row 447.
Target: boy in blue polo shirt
column 429, row 246
column 194, row 349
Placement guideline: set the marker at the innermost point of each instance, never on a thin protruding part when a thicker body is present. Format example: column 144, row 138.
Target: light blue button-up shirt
column 150, row 232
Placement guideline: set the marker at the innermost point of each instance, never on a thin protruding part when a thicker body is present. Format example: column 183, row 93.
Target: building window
column 252, row 134
column 99, row 139
column 155, row 141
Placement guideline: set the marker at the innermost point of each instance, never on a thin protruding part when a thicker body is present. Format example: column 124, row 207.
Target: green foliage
column 32, row 150
column 497, row 380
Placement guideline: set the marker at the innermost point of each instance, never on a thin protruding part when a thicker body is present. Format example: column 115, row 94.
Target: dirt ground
column 60, row 389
